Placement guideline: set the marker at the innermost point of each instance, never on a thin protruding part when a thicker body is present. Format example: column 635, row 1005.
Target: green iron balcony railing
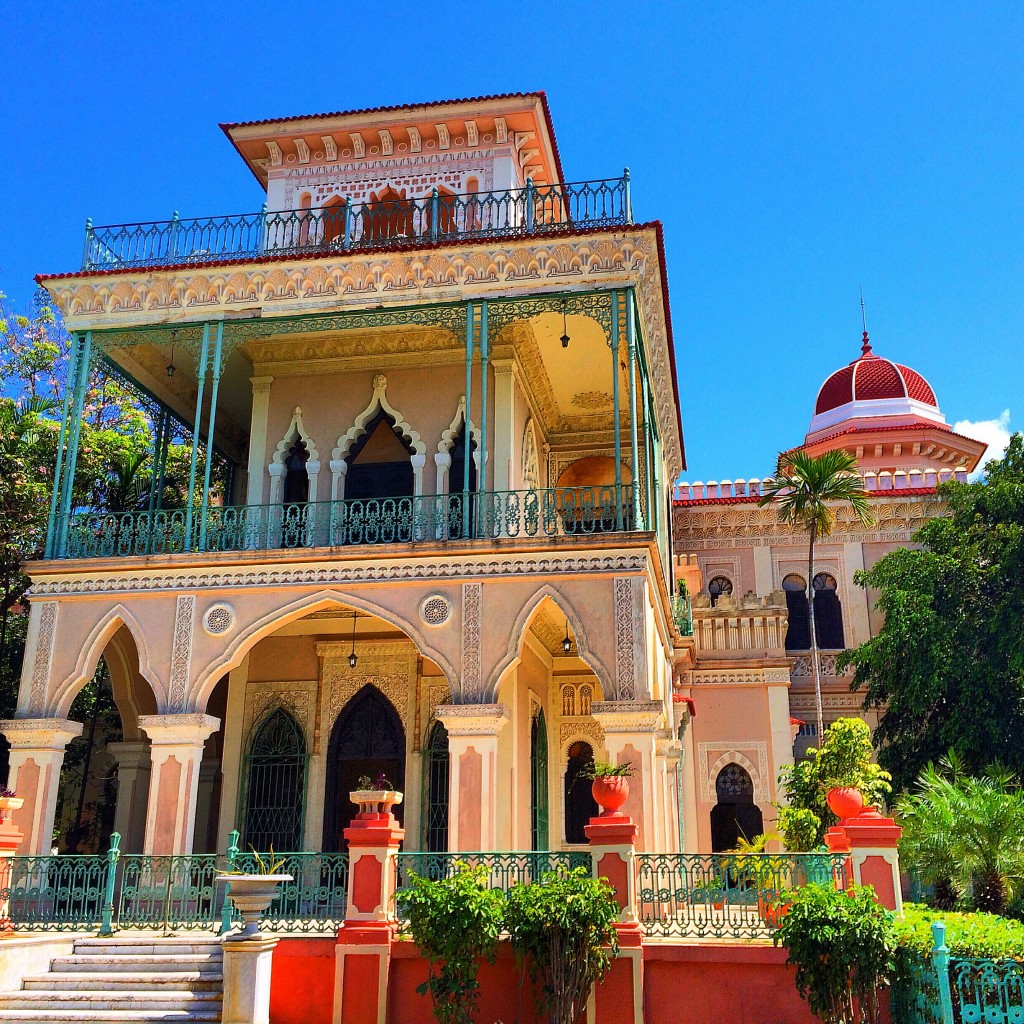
column 504, row 869
column 724, row 895
column 489, row 515
column 426, row 220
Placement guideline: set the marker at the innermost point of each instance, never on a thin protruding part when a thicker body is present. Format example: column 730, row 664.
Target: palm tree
column 807, row 490
column 964, row 834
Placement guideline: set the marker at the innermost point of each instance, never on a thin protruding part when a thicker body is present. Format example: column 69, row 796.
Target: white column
column 339, row 469
column 473, row 780
column 231, row 753
column 630, row 734
column 763, row 582
column 504, row 424
column 258, row 438
column 856, row 602
column 777, row 682
column 37, row 753
column 176, row 754
column 132, row 792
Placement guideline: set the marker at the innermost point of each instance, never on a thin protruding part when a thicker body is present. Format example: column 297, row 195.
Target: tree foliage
column 843, row 945
column 844, row 759
column 564, row 927
column 455, row 922
column 965, row 834
column 807, row 491
column 946, row 670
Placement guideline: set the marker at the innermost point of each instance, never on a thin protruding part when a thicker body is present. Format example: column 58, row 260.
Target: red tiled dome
column 871, row 378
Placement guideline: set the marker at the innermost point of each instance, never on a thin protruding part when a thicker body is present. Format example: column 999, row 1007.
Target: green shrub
column 564, row 927
column 455, row 922
column 843, row 945
column 986, row 935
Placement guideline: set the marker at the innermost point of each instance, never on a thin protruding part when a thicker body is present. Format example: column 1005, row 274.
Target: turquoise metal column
column 638, row 522
column 218, row 349
column 74, row 433
column 615, row 410
column 58, row 469
column 940, row 962
column 481, row 484
column 470, row 343
column 107, row 916
column 158, row 448
column 204, row 355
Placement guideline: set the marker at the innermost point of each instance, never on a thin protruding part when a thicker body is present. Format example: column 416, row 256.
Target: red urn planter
column 610, row 792
column 845, row 801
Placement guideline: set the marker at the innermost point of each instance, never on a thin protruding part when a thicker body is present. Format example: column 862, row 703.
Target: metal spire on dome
column 865, row 345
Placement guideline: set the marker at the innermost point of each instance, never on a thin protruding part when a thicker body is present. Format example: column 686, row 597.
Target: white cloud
column 995, row 433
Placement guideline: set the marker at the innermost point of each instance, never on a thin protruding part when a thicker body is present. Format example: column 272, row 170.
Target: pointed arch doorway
column 367, row 739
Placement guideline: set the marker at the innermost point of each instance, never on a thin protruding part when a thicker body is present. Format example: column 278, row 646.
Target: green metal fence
column 544, row 512
column 426, row 220
column 314, row 901
column 504, row 869
column 65, row 893
column 170, row 893
column 723, row 895
column 941, row 989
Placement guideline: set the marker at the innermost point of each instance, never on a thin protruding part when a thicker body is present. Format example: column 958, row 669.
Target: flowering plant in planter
column 610, row 783
column 7, row 794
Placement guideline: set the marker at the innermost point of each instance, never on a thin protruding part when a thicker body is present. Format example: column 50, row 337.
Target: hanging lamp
column 171, row 368
column 353, row 658
column 564, row 339
column 567, row 643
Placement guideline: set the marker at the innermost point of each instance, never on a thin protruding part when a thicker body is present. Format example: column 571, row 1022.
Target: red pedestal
column 363, row 953
column 872, row 841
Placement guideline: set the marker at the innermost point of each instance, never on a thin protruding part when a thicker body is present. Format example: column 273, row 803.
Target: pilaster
column 37, row 753
column 872, row 840
column 504, row 423
column 132, row 792
column 258, row 438
column 176, row 754
column 473, row 747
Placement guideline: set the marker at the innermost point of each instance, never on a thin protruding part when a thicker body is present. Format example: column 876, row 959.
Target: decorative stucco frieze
column 43, row 657
column 628, row 716
column 472, row 719
column 181, row 652
column 472, row 641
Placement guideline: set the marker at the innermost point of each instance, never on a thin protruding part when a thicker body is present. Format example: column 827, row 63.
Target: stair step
column 200, row 981
column 114, row 1016
column 165, row 962
column 90, row 1000
column 146, row 947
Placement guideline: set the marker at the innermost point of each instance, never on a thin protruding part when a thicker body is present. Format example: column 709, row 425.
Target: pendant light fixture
column 567, row 643
column 353, row 658
column 171, row 368
column 564, row 339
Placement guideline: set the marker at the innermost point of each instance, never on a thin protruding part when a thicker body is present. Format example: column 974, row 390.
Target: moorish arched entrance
column 735, row 815
column 274, row 774
column 367, row 739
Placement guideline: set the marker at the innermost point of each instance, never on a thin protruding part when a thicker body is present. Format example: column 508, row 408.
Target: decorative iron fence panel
column 505, row 869
column 428, row 220
column 315, row 899
column 545, row 512
column 723, row 895
column 65, row 893
column 169, row 892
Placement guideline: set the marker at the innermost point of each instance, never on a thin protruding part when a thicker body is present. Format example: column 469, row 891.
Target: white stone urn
column 8, row 804
column 375, row 801
column 251, row 895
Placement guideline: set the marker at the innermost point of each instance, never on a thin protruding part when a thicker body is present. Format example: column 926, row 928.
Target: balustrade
column 436, row 218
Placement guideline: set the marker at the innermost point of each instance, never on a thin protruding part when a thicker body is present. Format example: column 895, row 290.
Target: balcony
column 565, row 512
column 430, row 220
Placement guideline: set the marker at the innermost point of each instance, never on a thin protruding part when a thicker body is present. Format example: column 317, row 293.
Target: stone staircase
column 126, row 978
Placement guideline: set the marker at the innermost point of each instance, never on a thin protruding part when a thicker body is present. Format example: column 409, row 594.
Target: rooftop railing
column 424, row 220
column 487, row 515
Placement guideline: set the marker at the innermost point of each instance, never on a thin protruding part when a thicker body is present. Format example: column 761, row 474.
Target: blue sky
column 794, row 153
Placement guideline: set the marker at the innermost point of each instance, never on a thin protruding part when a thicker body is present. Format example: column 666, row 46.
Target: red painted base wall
column 713, row 983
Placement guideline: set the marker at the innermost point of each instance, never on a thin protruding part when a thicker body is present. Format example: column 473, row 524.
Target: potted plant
column 252, row 892
column 757, row 870
column 375, row 796
column 610, row 784
column 9, row 802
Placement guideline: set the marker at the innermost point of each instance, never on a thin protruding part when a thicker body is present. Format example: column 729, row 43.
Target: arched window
column 367, row 739
column 274, row 772
column 735, row 815
column 332, row 218
column 305, row 203
column 437, row 771
column 538, row 782
column 379, row 463
column 296, row 479
column 828, row 614
column 717, row 587
column 461, row 519
column 445, row 211
column 388, row 215
column 586, row 698
column 798, row 635
column 580, row 805
column 568, row 700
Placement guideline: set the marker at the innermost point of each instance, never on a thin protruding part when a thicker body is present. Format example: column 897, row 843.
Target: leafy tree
column 807, row 490
column 844, row 759
column 844, row 947
column 456, row 923
column 946, row 669
column 964, row 835
column 564, row 927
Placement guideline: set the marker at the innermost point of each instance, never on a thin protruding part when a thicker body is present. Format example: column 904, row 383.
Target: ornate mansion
column 434, row 531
